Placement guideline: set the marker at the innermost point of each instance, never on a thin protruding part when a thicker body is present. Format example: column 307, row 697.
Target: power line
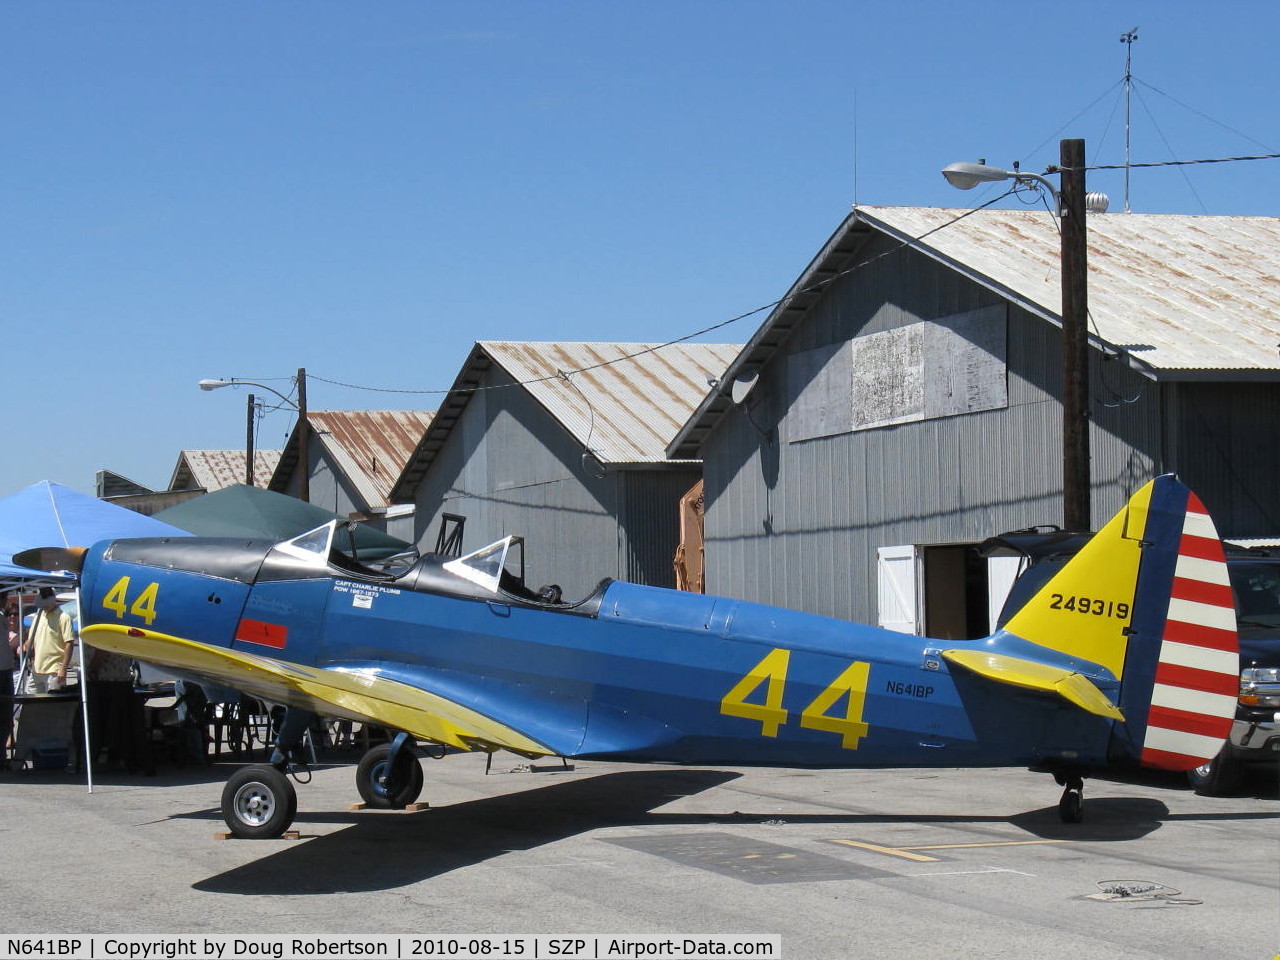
column 812, row 288
column 1015, row 188
column 1179, row 163
column 1205, row 116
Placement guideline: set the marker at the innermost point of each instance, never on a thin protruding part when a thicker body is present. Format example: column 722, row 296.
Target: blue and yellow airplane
column 1126, row 657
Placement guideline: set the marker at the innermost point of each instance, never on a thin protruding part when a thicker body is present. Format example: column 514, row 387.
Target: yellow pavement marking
column 993, row 843
column 889, row 851
column 906, row 854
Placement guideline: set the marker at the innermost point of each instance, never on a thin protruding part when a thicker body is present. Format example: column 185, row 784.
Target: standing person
column 114, row 725
column 8, row 661
column 52, row 644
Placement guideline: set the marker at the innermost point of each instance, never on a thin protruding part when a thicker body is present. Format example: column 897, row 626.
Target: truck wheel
column 1217, row 777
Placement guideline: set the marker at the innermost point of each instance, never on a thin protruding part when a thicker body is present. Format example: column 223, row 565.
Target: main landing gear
column 389, row 777
column 259, row 802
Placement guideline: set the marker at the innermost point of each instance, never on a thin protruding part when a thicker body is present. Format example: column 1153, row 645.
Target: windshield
column 312, row 545
column 484, row 566
column 1257, row 587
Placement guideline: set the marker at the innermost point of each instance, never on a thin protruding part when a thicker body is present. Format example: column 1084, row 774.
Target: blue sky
column 239, row 189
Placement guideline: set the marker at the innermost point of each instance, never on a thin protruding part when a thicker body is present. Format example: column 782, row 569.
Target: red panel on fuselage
column 267, row 634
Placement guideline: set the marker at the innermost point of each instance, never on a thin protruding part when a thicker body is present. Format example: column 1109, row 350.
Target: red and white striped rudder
column 1197, row 671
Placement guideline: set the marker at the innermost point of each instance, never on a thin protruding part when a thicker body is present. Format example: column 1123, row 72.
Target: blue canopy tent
column 14, row 576
column 48, row 514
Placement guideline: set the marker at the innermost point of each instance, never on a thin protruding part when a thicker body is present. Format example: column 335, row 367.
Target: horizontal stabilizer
column 1068, row 684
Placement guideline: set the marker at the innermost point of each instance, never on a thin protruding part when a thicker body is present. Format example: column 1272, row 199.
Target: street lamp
column 966, row 176
column 1070, row 202
column 304, row 479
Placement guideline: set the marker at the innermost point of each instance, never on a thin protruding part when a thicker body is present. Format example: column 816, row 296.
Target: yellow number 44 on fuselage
column 144, row 604
column 771, row 671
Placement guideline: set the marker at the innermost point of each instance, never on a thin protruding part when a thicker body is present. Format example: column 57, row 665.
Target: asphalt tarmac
column 840, row 864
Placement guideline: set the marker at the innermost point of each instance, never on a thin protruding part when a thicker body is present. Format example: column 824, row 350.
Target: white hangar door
column 897, row 573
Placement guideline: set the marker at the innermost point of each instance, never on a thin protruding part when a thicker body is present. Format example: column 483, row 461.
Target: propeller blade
column 52, row 558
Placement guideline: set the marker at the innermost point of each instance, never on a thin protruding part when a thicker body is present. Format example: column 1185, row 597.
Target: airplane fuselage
column 639, row 674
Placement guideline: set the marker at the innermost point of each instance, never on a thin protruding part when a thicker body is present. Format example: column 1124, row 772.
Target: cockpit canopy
column 486, row 568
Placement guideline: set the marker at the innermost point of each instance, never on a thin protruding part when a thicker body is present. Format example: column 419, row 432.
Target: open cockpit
column 494, row 572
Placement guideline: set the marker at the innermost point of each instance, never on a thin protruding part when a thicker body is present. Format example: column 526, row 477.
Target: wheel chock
column 287, row 835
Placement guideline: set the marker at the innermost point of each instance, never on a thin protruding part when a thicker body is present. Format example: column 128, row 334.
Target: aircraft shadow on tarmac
column 381, row 851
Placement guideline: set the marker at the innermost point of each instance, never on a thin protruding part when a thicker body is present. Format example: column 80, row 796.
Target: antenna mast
column 1127, row 39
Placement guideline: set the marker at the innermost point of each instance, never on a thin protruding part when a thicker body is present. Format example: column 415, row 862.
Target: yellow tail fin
column 1085, row 610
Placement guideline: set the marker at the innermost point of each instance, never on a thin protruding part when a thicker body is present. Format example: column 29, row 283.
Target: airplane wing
column 360, row 695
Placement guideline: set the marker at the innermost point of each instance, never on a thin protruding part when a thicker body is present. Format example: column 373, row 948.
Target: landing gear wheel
column 259, row 803
column 385, row 788
column 1217, row 777
column 1071, row 806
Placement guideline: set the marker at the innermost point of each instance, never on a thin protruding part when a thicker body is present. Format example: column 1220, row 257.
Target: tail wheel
column 1071, row 806
column 259, row 803
column 388, row 786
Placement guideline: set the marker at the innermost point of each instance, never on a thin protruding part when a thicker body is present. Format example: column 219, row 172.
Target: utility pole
column 1076, row 509
column 1071, row 202
column 248, row 445
column 304, row 429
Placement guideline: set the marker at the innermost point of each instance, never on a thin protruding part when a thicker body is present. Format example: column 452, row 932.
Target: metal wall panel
column 1226, row 450
column 328, row 488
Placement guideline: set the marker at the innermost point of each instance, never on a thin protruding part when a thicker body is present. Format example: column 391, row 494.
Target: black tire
column 1071, row 806
column 1217, row 777
column 259, row 803
column 393, row 792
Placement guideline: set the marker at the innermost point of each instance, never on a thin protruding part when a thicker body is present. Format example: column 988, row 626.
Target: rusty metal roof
column 622, row 401
column 1182, row 297
column 369, row 447
column 622, row 410
column 211, row 470
column 1181, row 293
